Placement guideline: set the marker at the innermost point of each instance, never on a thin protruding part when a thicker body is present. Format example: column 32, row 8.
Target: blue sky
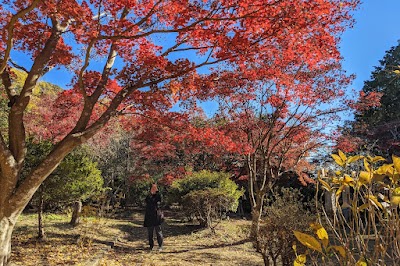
column 377, row 28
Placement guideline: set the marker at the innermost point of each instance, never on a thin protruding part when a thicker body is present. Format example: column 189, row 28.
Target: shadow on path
column 222, row 245
column 135, row 230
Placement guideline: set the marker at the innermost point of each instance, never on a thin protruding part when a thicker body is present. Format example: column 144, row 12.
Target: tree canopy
column 139, row 58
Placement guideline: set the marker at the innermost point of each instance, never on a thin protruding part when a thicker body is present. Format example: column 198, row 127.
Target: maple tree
column 141, row 57
column 281, row 122
column 284, row 121
column 169, row 143
column 42, row 94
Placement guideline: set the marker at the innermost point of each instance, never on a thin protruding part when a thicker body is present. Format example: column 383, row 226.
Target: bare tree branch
column 18, row 66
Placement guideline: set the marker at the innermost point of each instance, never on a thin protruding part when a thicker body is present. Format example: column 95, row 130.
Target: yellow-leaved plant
column 360, row 213
column 319, row 244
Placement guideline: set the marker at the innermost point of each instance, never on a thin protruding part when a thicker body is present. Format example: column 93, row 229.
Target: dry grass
column 101, row 241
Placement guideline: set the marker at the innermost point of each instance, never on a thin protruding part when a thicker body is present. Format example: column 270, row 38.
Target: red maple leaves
column 139, row 58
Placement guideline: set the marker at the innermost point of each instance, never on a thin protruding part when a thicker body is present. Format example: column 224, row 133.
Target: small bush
column 286, row 212
column 208, row 205
column 205, row 195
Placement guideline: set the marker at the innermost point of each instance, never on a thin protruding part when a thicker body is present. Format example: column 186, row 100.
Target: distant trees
column 384, row 79
column 42, row 89
column 378, row 128
column 116, row 159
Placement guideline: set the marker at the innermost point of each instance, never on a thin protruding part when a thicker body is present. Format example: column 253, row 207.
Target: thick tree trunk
column 6, row 228
column 41, row 234
column 256, row 214
column 76, row 213
column 255, row 222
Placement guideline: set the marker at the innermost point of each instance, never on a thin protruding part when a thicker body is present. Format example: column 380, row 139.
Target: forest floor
column 123, row 241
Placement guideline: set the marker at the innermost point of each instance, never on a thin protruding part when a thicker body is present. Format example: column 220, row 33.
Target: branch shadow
column 124, row 248
column 136, row 231
column 222, row 245
column 63, row 225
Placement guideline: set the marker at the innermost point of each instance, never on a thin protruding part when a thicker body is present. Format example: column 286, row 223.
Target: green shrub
column 139, row 188
column 208, row 205
column 205, row 195
column 202, row 180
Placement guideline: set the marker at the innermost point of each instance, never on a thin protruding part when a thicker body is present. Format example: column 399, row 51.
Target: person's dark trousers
column 159, row 235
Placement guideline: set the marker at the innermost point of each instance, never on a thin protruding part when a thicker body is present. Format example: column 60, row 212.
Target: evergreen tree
column 76, row 178
column 384, row 80
column 379, row 127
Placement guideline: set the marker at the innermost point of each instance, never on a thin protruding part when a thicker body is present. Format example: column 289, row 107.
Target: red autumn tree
column 282, row 119
column 173, row 141
column 141, row 56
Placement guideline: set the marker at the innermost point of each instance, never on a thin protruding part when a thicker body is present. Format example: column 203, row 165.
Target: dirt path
column 124, row 242
column 185, row 244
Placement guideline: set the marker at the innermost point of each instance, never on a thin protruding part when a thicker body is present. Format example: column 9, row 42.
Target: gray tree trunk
column 255, row 221
column 76, row 214
column 41, row 234
column 256, row 214
column 6, row 228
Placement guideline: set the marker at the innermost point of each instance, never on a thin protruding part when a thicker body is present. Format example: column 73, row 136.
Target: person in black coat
column 153, row 217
